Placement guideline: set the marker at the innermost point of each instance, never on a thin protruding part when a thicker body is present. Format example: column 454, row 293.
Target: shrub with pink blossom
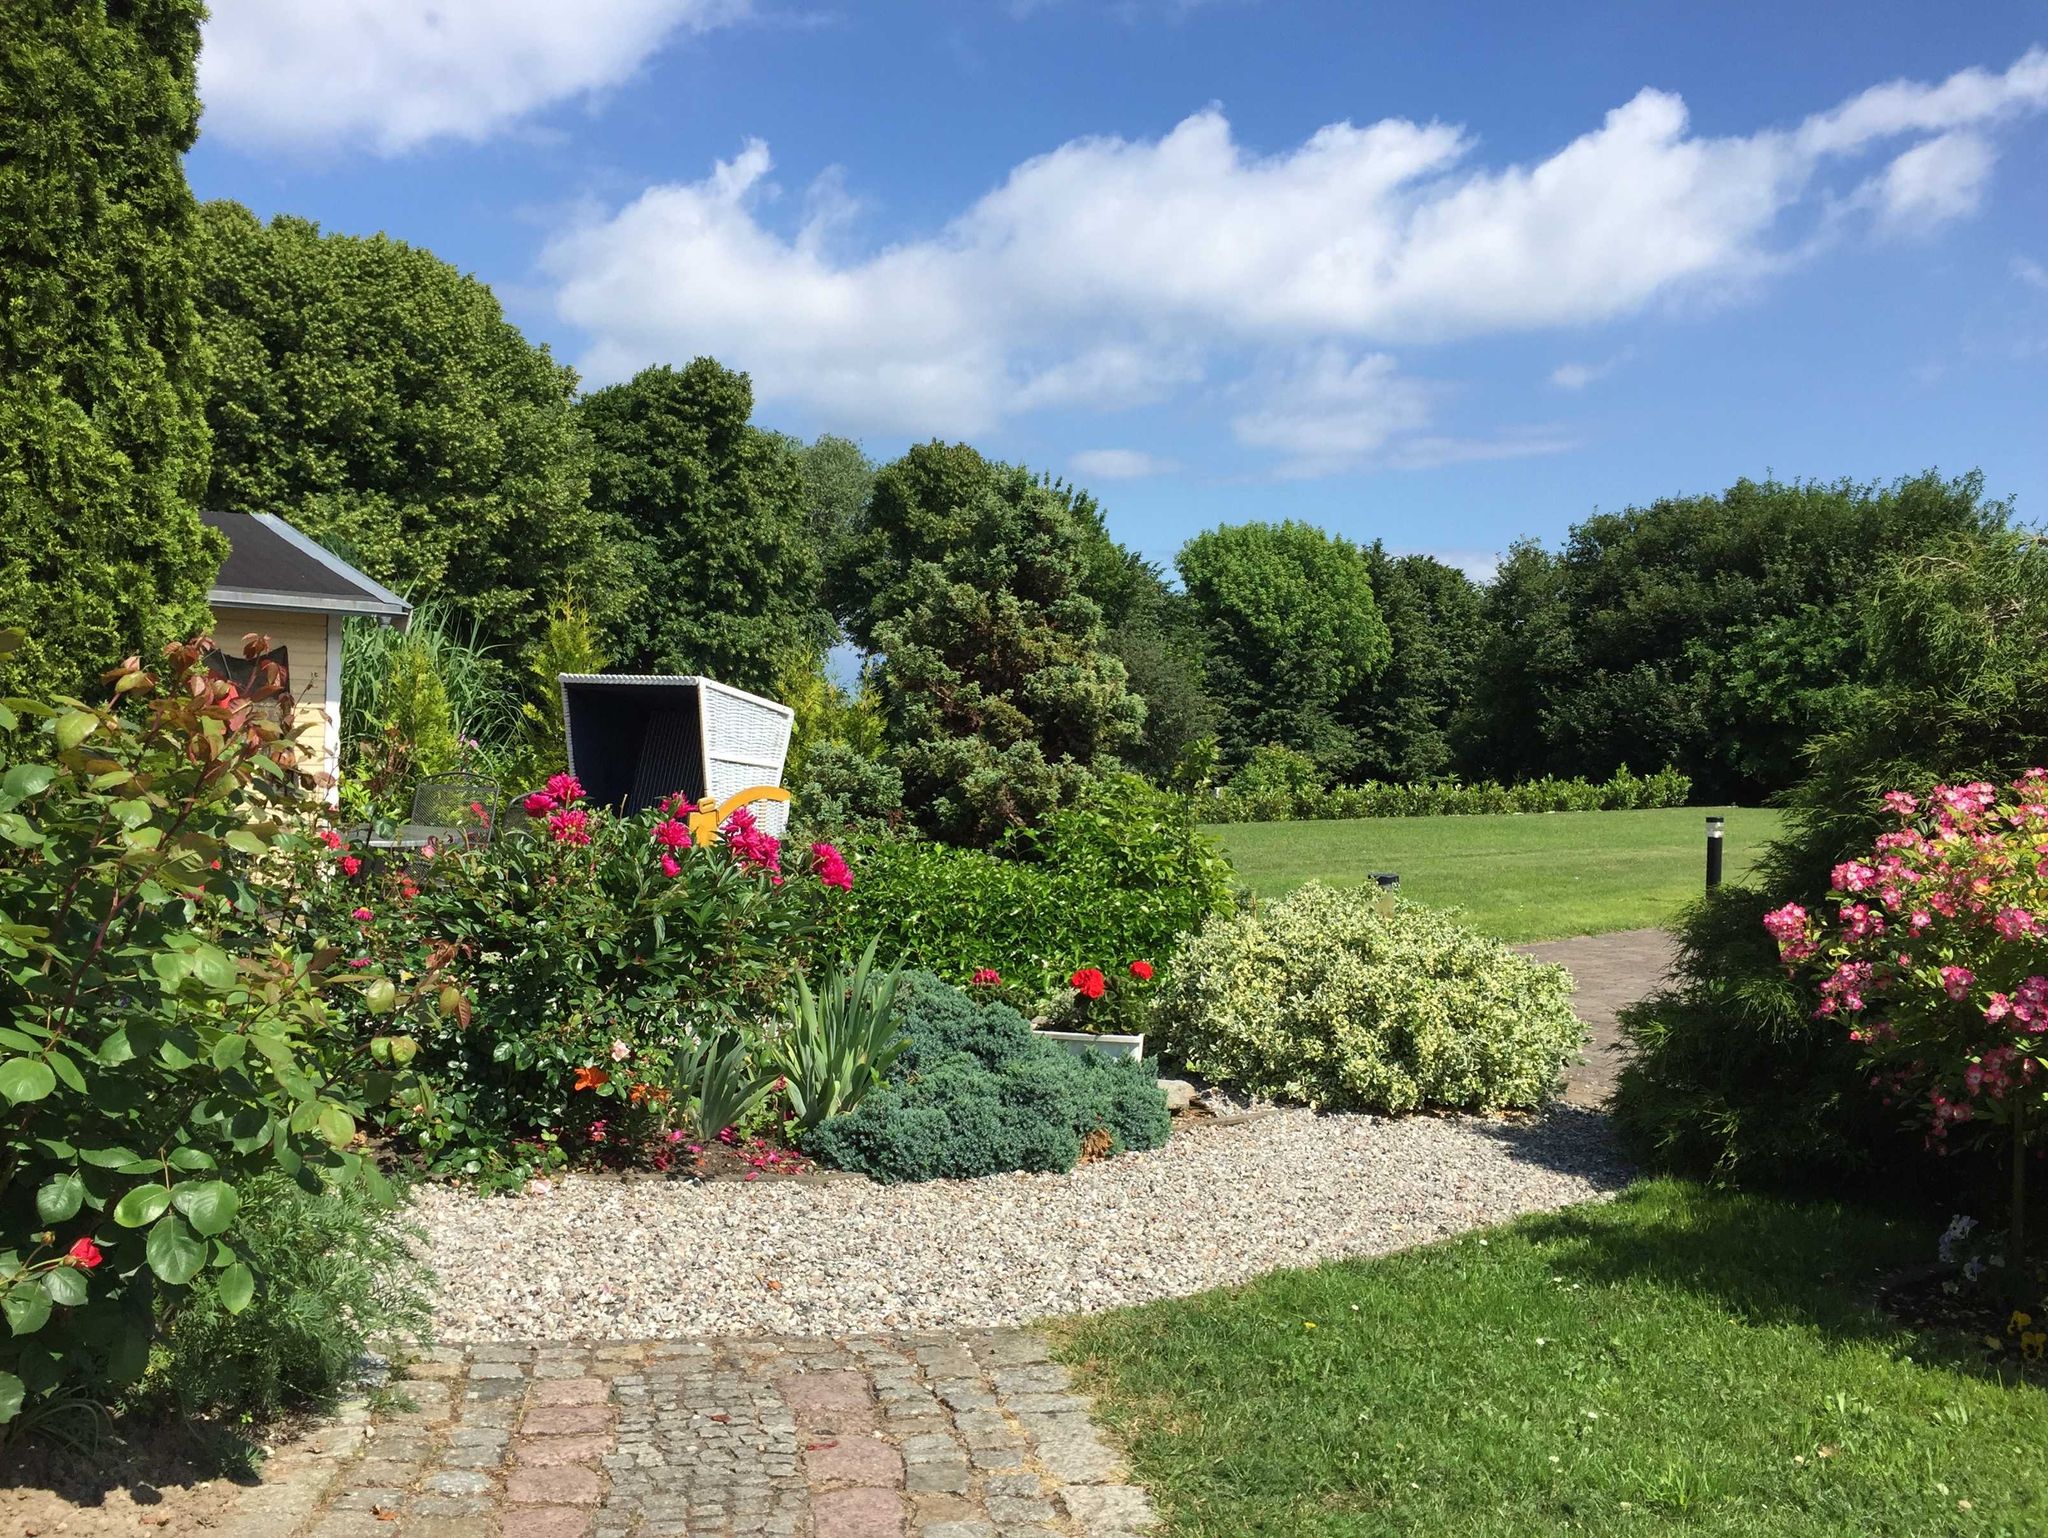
column 1936, row 964
column 579, row 955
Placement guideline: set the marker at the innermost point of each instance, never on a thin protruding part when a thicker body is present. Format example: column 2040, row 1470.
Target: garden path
column 1611, row 971
column 962, row 1435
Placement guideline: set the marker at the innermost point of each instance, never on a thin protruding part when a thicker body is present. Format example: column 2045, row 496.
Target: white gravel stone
column 597, row 1258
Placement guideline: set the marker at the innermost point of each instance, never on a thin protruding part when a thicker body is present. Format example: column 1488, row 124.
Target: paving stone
column 477, row 1526
column 854, row 1461
column 569, row 1485
column 455, row 1482
column 554, row 1451
column 545, row 1522
column 825, row 1391
column 857, row 1514
column 560, row 1391
column 566, row 1420
column 1109, row 1508
column 369, row 1498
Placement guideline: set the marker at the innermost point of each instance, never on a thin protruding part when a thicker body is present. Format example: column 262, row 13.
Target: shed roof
column 271, row 565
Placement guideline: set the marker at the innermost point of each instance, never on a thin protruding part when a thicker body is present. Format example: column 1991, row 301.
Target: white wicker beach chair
column 636, row 737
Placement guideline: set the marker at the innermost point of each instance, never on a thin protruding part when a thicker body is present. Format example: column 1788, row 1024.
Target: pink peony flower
column 831, row 868
column 362, row 915
column 539, row 804
column 986, row 977
column 565, row 788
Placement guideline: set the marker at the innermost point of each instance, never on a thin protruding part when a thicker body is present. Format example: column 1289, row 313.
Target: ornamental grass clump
column 1936, row 965
column 1346, row 1000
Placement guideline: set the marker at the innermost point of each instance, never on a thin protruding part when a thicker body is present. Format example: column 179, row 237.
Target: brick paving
column 1611, row 971
column 974, row 1435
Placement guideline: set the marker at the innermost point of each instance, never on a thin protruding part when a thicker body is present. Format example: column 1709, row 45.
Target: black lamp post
column 1716, row 829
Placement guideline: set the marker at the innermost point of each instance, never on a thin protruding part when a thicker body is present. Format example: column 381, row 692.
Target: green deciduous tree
column 971, row 585
column 1714, row 633
column 1293, row 635
column 720, row 521
column 378, row 399
column 103, row 443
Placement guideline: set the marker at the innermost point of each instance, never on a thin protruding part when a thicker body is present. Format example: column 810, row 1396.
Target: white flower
column 620, row 1051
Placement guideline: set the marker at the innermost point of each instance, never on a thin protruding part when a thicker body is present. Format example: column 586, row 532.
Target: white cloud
column 1943, row 178
column 1576, row 376
column 1121, row 464
column 1431, row 452
column 1328, row 410
column 395, row 74
column 1111, row 271
column 2030, row 272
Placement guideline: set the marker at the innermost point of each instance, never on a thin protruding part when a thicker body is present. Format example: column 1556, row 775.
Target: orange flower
column 590, row 1078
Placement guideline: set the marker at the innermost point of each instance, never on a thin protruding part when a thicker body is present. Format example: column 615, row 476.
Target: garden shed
column 281, row 582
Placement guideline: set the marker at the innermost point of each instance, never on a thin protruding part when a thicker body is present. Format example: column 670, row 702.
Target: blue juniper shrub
column 977, row 1093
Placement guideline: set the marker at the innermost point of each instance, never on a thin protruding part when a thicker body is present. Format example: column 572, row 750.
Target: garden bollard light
column 1388, row 883
column 1716, row 827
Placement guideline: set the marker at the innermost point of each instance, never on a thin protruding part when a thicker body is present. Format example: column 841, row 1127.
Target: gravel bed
column 611, row 1259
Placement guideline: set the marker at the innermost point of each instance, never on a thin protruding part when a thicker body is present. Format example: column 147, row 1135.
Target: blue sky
column 1443, row 276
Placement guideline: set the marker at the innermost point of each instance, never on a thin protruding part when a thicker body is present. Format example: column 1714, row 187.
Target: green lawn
column 1678, row 1361
column 1534, row 877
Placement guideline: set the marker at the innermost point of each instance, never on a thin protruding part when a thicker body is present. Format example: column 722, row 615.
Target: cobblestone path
column 1612, row 971
column 944, row 1436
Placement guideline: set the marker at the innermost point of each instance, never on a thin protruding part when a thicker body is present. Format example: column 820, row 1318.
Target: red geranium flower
column 1089, row 982
column 1142, row 971
column 85, row 1254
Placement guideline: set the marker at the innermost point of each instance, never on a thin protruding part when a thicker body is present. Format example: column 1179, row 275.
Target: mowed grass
column 1539, row 876
column 1677, row 1361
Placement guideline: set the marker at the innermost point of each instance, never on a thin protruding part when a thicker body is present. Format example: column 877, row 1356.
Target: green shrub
column 338, row 1278
column 976, row 1093
column 169, row 1036
column 1117, row 877
column 1271, row 799
column 1277, row 770
column 1345, row 1000
column 839, row 788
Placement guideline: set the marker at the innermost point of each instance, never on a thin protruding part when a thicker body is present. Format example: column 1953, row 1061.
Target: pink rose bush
column 1936, row 961
column 579, row 952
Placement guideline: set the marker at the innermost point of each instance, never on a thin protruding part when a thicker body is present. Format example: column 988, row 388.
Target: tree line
column 165, row 355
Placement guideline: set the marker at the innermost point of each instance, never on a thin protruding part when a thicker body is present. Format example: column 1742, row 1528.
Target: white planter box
column 1118, row 1049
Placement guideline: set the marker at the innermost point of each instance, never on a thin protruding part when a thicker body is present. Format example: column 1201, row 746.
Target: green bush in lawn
column 338, row 1278
column 1346, row 1000
column 1116, row 877
column 976, row 1093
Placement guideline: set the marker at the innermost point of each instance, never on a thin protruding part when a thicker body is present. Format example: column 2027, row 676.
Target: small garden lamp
column 1717, row 828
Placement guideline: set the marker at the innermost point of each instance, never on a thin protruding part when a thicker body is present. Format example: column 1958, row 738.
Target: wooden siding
column 303, row 633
